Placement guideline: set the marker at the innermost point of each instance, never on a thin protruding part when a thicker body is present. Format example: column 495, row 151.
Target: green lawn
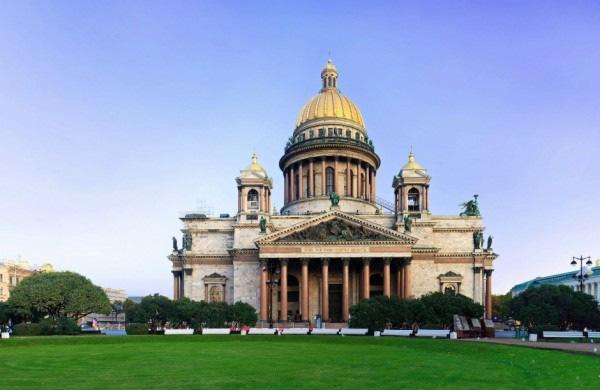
column 287, row 361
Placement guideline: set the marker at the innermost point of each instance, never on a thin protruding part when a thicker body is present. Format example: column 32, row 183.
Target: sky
column 116, row 117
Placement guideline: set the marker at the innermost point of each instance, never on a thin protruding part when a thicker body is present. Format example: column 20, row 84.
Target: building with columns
column 334, row 242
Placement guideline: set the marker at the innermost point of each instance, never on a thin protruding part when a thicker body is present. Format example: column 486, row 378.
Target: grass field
column 287, row 361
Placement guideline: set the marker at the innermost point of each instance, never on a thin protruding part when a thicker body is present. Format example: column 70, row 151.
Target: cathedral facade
column 334, row 242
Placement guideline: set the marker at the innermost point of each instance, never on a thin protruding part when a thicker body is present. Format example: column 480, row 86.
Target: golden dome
column 254, row 169
column 412, row 164
column 330, row 103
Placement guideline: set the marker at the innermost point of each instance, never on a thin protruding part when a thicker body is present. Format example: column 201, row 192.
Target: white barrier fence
column 216, row 331
column 178, row 332
column 434, row 333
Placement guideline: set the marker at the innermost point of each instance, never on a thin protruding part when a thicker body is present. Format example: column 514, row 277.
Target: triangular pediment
column 336, row 227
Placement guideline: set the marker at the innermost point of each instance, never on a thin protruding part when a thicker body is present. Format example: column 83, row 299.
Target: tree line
column 435, row 311
column 157, row 311
column 549, row 307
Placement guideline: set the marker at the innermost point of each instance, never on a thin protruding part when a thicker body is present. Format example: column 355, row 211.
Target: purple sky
column 115, row 117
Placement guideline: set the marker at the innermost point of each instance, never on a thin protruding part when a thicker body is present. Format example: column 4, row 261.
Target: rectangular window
column 321, row 132
column 357, row 136
column 311, row 133
column 330, row 132
column 348, row 134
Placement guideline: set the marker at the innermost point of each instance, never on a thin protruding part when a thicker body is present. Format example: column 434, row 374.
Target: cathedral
column 334, row 242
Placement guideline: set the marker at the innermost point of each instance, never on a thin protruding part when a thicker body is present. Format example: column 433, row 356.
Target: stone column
column 488, row 294
column 311, row 179
column 348, row 178
column 300, row 181
column 387, row 288
column 292, row 184
column 368, row 182
column 239, row 200
column 366, row 279
column 346, row 290
column 245, row 199
column 263, row 291
column 325, row 289
column 400, row 281
column 283, row 303
column 336, row 186
column 305, row 290
column 373, row 185
column 407, row 280
column 175, row 285
column 323, row 189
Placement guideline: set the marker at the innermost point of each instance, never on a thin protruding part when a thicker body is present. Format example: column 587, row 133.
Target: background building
column 114, row 320
column 335, row 241
column 591, row 285
column 12, row 272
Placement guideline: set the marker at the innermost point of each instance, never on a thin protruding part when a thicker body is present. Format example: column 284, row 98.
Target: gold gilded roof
column 412, row 164
column 254, row 169
column 330, row 103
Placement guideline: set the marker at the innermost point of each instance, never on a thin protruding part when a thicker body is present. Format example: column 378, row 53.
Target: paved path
column 588, row 348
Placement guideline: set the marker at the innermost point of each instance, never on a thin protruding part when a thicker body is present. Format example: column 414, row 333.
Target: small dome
column 412, row 164
column 330, row 103
column 254, row 169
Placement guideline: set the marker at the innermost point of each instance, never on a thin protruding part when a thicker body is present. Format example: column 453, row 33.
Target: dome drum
column 329, row 151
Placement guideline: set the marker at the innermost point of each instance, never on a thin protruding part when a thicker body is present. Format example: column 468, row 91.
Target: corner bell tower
column 254, row 192
column 411, row 189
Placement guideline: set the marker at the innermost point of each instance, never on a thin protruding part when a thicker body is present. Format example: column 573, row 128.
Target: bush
column 243, row 314
column 27, row 329
column 137, row 329
column 62, row 326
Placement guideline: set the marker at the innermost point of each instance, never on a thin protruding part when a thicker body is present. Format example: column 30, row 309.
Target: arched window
column 252, row 199
column 329, row 179
column 305, row 187
column 352, row 178
column 413, row 200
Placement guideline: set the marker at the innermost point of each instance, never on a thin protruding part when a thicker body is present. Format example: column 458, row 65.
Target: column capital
column 283, row 261
column 346, row 262
column 387, row 261
column 325, row 261
column 305, row 262
column 366, row 260
column 263, row 263
column 488, row 272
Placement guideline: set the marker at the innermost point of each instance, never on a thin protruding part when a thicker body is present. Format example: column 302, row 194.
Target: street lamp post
column 581, row 277
column 273, row 280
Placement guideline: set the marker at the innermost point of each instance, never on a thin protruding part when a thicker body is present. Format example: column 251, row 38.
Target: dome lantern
column 329, row 75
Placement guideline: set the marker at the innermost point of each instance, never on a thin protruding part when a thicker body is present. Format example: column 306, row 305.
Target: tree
column 555, row 307
column 243, row 314
column 58, row 294
column 501, row 305
column 157, row 309
column 445, row 306
column 133, row 312
column 4, row 313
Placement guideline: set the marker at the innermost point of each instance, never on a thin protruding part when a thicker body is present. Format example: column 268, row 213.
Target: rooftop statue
column 175, row 245
column 489, row 243
column 334, row 198
column 407, row 223
column 263, row 225
column 471, row 208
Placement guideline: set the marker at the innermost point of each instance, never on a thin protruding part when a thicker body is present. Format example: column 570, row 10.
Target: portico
column 334, row 260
